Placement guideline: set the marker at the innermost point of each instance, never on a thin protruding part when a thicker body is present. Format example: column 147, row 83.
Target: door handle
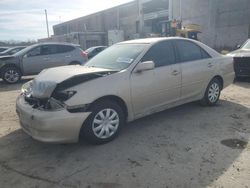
column 175, row 72
column 210, row 65
column 68, row 56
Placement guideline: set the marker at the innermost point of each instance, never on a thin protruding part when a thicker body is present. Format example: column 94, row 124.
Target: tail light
column 84, row 54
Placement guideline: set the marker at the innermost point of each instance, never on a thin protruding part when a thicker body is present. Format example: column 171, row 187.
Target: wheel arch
column 218, row 77
column 114, row 98
column 9, row 65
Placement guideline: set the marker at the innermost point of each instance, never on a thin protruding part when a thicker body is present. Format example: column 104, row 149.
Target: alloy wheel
column 11, row 76
column 213, row 92
column 105, row 123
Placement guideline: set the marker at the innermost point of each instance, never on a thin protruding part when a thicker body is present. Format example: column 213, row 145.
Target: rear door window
column 161, row 53
column 188, row 51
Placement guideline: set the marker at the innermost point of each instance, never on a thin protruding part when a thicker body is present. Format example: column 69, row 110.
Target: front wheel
column 104, row 123
column 212, row 93
column 11, row 75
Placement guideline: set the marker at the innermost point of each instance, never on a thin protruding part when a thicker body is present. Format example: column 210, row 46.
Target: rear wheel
column 11, row 75
column 104, row 124
column 212, row 94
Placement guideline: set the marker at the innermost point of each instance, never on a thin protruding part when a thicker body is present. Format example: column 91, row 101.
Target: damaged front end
column 39, row 96
column 51, row 96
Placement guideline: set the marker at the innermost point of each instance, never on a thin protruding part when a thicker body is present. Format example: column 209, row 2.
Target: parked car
column 125, row 82
column 242, row 60
column 38, row 57
column 12, row 51
column 3, row 49
column 93, row 51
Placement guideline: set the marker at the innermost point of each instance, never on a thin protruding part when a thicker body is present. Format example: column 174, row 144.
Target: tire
column 11, row 75
column 98, row 129
column 212, row 94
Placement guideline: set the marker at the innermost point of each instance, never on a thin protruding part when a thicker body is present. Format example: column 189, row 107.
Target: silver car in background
column 33, row 59
column 125, row 82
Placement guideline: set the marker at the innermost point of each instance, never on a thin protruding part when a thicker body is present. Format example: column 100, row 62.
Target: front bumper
column 242, row 66
column 50, row 126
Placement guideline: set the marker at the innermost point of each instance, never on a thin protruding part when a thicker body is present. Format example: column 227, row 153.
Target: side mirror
column 144, row 66
column 25, row 56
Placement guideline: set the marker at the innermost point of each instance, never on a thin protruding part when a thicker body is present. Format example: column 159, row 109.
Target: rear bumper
column 50, row 126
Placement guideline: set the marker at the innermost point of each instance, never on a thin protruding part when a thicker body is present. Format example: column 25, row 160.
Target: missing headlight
column 78, row 108
column 64, row 95
column 55, row 104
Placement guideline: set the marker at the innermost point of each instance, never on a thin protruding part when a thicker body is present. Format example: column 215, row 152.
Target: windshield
column 117, row 57
column 25, row 50
column 246, row 45
column 14, row 50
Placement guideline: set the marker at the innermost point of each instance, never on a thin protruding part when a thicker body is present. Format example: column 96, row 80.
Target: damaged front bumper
column 59, row 126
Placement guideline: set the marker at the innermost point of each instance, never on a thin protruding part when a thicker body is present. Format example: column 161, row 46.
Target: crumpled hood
column 46, row 82
column 240, row 53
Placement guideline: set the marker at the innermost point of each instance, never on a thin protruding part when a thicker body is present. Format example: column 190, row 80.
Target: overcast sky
column 25, row 20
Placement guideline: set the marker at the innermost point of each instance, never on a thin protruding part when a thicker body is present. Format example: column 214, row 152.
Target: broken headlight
column 27, row 88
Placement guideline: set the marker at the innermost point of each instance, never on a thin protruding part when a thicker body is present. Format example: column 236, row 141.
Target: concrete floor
column 188, row 146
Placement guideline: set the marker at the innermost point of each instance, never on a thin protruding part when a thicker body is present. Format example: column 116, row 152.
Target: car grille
column 242, row 65
column 35, row 103
column 242, row 61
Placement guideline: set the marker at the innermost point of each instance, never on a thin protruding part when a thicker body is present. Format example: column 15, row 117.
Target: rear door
column 152, row 90
column 66, row 54
column 197, row 68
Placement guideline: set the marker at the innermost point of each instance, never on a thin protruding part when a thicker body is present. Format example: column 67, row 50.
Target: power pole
column 47, row 22
column 118, row 18
column 170, row 9
column 181, row 10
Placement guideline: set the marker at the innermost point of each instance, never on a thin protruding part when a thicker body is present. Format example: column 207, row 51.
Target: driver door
column 153, row 90
column 39, row 58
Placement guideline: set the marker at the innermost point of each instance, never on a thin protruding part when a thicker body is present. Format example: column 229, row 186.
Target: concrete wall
column 224, row 23
column 232, row 22
column 128, row 17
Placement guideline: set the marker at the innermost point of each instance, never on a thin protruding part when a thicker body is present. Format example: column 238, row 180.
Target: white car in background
column 125, row 82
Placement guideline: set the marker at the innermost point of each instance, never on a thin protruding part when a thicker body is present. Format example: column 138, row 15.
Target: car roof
column 93, row 47
column 152, row 40
column 58, row 43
